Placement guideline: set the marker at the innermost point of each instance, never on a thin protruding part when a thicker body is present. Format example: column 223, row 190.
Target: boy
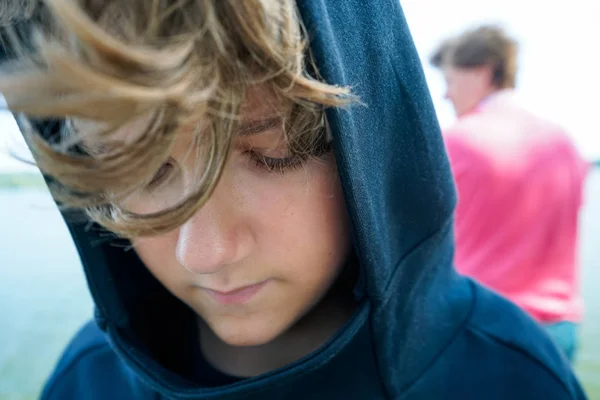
column 520, row 183
column 267, row 265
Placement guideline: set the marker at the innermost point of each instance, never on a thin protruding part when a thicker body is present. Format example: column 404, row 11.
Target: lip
column 236, row 296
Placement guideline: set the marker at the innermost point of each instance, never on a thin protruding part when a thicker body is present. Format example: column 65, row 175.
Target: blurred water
column 43, row 297
column 44, row 300
column 588, row 363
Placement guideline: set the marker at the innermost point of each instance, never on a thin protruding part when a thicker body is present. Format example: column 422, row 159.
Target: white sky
column 559, row 60
column 11, row 142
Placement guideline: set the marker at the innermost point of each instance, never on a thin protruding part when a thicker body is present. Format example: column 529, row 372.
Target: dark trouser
column 564, row 335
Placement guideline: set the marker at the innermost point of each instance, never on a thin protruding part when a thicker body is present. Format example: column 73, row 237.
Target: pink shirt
column 519, row 181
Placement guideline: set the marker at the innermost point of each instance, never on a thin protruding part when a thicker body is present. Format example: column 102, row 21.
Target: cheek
column 458, row 89
column 300, row 220
column 455, row 94
column 158, row 254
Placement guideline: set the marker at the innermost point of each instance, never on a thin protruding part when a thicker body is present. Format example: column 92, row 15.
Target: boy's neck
column 306, row 336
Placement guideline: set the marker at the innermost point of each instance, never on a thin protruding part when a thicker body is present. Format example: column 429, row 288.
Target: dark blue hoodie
column 420, row 331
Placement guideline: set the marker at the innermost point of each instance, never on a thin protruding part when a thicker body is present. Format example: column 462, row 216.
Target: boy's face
column 467, row 87
column 267, row 245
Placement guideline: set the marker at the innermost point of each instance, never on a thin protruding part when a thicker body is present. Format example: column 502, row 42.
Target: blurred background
column 43, row 295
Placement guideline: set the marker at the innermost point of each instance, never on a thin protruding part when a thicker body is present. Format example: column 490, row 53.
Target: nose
column 217, row 236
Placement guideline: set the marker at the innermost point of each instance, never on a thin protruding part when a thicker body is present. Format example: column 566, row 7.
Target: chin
column 246, row 334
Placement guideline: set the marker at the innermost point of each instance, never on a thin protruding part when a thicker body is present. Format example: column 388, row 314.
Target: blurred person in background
column 519, row 180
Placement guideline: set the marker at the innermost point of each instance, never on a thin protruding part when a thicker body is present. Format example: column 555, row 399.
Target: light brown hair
column 108, row 64
column 484, row 46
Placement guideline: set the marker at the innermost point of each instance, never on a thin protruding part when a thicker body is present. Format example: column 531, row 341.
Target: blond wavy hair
column 110, row 63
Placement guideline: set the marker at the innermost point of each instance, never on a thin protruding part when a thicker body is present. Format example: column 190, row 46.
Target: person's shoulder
column 462, row 138
column 499, row 353
column 466, row 156
column 465, row 126
column 90, row 369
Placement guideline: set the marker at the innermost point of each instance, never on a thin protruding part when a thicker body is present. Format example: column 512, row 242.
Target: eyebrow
column 251, row 128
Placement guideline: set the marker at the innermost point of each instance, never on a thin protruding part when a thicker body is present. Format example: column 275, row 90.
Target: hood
column 400, row 197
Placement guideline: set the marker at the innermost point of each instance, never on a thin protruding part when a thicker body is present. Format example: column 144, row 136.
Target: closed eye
column 278, row 165
column 161, row 175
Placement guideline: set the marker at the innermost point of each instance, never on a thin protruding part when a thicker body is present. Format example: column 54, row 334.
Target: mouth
column 237, row 296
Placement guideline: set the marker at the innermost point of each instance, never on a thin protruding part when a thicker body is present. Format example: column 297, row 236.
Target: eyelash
column 269, row 164
column 160, row 175
column 277, row 165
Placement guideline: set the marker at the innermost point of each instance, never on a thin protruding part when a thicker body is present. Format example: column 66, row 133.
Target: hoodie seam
column 459, row 330
column 444, row 227
column 525, row 354
column 378, row 367
column 382, row 301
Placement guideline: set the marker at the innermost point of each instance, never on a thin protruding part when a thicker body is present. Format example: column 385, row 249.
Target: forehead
column 454, row 74
column 451, row 71
column 93, row 138
column 259, row 103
